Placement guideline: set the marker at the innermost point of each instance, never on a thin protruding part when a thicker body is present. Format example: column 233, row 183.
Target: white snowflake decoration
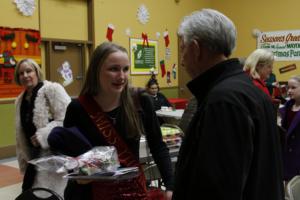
column 26, row 7
column 128, row 32
column 143, row 14
column 157, row 35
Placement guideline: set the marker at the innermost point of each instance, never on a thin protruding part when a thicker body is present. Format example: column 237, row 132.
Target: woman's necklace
column 114, row 114
column 28, row 96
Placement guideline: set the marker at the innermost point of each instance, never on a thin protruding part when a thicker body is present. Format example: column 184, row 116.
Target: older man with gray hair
column 231, row 150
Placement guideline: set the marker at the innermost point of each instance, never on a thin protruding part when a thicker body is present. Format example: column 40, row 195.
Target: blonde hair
column 296, row 78
column 33, row 64
column 256, row 58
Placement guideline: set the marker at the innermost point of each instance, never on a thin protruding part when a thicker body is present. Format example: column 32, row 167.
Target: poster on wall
column 143, row 56
column 287, row 68
column 285, row 45
column 16, row 44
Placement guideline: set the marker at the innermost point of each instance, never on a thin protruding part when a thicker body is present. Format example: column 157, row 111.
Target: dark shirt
column 29, row 129
column 27, row 114
column 160, row 100
column 290, row 116
column 269, row 83
column 231, row 149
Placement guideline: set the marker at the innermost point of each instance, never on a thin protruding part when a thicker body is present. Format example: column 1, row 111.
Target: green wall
column 7, row 124
column 170, row 92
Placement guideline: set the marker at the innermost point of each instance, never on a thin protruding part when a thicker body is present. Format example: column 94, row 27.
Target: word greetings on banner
column 285, row 45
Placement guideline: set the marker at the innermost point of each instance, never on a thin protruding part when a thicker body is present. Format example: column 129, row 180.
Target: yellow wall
column 64, row 19
column 67, row 19
column 269, row 15
column 164, row 14
column 11, row 17
column 7, row 124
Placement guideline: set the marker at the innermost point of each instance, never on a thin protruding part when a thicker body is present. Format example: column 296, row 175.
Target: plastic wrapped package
column 97, row 160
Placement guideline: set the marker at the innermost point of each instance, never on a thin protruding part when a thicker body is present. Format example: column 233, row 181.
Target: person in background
column 290, row 116
column 276, row 90
column 231, row 149
column 106, row 98
column 39, row 108
column 188, row 114
column 271, row 83
column 259, row 66
column 159, row 100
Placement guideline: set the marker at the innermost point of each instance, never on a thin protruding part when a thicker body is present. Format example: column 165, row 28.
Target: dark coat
column 231, row 150
column 291, row 152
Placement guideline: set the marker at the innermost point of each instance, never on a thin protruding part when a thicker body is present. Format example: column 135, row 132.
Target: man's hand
column 169, row 195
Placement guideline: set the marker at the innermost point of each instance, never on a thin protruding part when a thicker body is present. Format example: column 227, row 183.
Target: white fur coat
column 51, row 103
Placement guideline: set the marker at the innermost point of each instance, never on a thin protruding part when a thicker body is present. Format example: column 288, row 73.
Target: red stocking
column 109, row 32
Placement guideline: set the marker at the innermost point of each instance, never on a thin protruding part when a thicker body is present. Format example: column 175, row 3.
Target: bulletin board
column 143, row 56
column 16, row 44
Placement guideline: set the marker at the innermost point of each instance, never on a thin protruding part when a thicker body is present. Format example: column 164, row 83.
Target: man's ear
column 196, row 48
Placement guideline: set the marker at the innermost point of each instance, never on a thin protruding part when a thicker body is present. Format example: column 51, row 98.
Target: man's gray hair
column 210, row 28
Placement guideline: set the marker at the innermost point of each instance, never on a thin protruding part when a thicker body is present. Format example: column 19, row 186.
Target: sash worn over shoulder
column 134, row 189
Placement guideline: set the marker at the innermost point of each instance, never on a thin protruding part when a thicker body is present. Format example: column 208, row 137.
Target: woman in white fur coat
column 39, row 108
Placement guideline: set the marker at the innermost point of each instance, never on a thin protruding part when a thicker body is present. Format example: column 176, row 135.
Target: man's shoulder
column 233, row 85
column 236, row 90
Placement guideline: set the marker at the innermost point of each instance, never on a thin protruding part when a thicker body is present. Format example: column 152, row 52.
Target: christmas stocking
column 166, row 37
column 174, row 71
column 145, row 39
column 168, row 77
column 109, row 32
column 163, row 68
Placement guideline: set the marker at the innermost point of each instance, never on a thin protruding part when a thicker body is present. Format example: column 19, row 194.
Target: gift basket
column 100, row 163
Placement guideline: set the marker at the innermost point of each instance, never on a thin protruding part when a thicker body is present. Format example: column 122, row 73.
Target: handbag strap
column 29, row 194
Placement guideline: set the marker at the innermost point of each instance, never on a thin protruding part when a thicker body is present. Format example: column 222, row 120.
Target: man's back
column 231, row 149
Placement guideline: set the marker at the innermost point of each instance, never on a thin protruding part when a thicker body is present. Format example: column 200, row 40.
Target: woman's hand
column 34, row 141
column 169, row 194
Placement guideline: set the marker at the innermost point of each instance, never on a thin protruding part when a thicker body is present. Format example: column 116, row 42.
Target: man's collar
column 200, row 85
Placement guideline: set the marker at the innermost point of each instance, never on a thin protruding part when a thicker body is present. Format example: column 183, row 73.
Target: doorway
column 61, row 54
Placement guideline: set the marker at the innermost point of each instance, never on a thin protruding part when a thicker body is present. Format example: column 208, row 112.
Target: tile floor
column 11, row 179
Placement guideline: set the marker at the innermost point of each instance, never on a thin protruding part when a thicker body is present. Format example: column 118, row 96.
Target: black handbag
column 30, row 195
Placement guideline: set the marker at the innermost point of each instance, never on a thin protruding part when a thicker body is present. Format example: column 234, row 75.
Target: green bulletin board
column 143, row 57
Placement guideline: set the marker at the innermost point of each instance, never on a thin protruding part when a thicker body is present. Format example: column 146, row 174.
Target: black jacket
column 231, row 150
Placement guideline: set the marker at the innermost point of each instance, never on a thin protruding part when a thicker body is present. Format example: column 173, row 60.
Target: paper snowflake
column 143, row 14
column 26, row 7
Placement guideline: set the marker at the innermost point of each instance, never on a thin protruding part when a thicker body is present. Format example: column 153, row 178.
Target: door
column 66, row 62
column 183, row 78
